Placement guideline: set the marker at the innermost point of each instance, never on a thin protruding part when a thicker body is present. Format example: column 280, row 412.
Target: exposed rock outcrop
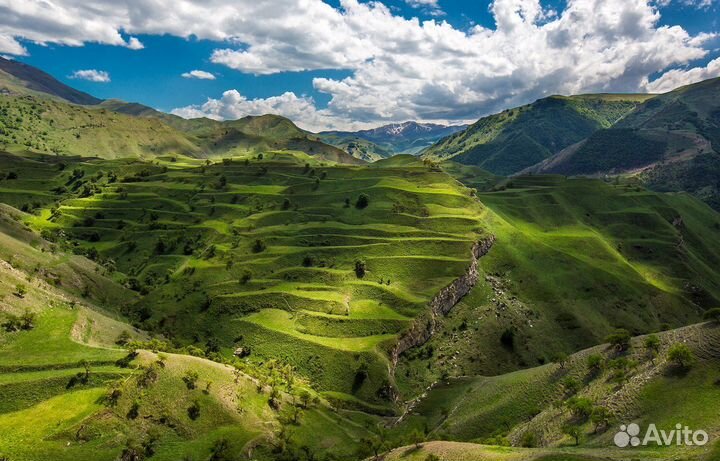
column 423, row 327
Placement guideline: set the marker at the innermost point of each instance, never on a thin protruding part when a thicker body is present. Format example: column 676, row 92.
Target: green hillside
column 594, row 391
column 669, row 143
column 41, row 114
column 515, row 139
column 573, row 260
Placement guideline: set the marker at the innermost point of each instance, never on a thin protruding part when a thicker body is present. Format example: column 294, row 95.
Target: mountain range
column 234, row 290
column 389, row 140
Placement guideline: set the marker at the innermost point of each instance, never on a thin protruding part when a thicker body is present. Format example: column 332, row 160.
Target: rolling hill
column 42, row 114
column 515, row 139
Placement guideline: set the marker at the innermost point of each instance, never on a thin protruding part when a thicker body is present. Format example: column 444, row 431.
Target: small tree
column 713, row 314
column 362, row 202
column 561, row 359
column 619, row 339
column 573, row 431
column 600, row 417
column 360, row 269
column 681, row 355
column 580, row 407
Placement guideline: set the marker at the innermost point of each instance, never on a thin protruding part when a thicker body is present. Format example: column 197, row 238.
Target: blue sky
column 370, row 76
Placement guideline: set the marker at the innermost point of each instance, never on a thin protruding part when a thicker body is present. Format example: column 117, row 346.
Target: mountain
column 670, row 143
column 16, row 76
column 40, row 113
column 518, row 138
column 389, row 140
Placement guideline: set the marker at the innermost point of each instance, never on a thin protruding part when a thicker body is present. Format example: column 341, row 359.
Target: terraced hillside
column 318, row 266
column 573, row 260
column 70, row 391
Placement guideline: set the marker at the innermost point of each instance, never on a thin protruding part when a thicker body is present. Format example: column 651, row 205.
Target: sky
column 355, row 64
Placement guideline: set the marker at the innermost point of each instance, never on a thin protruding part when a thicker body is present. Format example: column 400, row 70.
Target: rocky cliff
column 423, row 327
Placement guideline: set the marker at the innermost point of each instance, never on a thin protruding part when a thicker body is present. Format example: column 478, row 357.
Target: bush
column 259, row 246
column 681, row 355
column 619, row 339
column 191, row 377
column 194, row 411
column 362, row 202
column 360, row 269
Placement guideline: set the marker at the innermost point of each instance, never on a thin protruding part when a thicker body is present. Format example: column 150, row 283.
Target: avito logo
column 629, row 435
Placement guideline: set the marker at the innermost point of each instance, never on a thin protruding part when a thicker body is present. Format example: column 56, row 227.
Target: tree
column 305, row 398
column 362, row 202
column 600, row 417
column 360, row 269
column 86, row 365
column 619, row 339
column 712, row 314
column 574, row 432
column 682, row 355
column 580, row 407
column 561, row 359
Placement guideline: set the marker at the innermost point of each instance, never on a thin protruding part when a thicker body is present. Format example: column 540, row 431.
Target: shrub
column 595, row 361
column 619, row 339
column 362, row 202
column 580, row 407
column 360, row 269
column 259, row 246
column 191, row 377
column 194, row 411
column 681, row 355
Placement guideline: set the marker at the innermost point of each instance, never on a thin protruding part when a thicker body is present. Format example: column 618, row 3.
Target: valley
column 244, row 289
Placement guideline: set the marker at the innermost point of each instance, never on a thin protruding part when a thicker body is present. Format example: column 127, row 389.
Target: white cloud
column 135, row 44
column 432, row 7
column 680, row 77
column 199, row 74
column 9, row 45
column 92, row 75
column 399, row 68
column 233, row 105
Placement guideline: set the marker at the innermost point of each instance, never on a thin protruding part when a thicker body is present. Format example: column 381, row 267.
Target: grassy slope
column 670, row 142
column 532, row 401
column 45, row 411
column 573, row 260
column 301, row 301
column 515, row 139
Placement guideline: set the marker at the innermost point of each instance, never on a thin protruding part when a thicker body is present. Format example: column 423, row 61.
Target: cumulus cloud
column 91, row 75
column 679, row 77
column 199, row 74
column 301, row 109
column 400, row 68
